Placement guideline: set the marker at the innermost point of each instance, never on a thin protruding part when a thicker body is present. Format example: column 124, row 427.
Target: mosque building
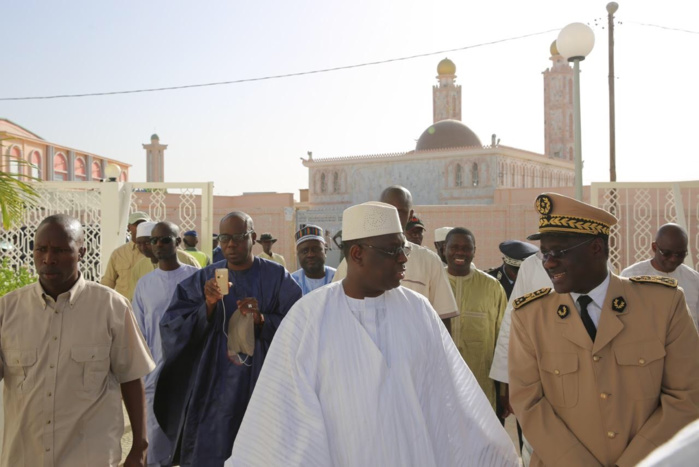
column 449, row 164
column 450, row 172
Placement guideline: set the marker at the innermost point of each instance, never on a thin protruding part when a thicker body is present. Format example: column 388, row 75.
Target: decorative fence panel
column 103, row 210
column 641, row 209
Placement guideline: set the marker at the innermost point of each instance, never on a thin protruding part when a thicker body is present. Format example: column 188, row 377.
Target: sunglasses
column 394, row 254
column 676, row 254
column 164, row 240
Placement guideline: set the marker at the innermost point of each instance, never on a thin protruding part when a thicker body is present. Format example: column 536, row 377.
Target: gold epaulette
column 666, row 281
column 530, row 297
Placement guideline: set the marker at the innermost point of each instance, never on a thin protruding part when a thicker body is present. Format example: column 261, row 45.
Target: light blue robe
column 306, row 285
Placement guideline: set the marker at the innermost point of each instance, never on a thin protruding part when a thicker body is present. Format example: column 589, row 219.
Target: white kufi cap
column 440, row 234
column 370, row 220
column 144, row 229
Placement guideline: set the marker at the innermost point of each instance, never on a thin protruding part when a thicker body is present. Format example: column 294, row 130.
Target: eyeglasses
column 164, row 240
column 395, row 254
column 223, row 239
column 677, row 254
column 558, row 254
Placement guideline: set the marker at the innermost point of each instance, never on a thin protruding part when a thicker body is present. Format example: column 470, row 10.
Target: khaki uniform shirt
column 277, row 258
column 613, row 401
column 426, row 275
column 118, row 273
column 145, row 265
column 482, row 302
column 63, row 363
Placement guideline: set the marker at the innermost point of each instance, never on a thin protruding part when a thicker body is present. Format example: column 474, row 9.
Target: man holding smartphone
column 202, row 391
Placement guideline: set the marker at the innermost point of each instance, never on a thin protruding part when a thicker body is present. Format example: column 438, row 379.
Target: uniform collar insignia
column 619, row 304
column 563, row 311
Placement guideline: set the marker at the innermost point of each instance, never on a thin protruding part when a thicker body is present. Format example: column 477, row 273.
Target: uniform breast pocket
column 94, row 362
column 559, row 377
column 641, row 368
column 20, row 368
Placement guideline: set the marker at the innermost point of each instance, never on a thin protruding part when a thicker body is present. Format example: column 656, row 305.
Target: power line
column 287, row 75
column 662, row 27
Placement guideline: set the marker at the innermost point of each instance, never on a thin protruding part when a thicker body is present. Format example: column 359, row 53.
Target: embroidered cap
column 309, row 232
column 144, row 229
column 440, row 234
column 561, row 214
column 370, row 220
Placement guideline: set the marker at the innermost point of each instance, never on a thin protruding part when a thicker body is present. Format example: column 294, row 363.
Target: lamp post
column 112, row 172
column 575, row 42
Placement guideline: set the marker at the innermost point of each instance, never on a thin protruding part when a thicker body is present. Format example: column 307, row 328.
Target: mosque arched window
column 323, row 183
column 474, row 174
column 336, row 182
column 459, row 176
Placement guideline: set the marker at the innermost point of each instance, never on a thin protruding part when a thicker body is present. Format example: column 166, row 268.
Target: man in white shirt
column 425, row 273
column 152, row 296
column 362, row 372
column 669, row 252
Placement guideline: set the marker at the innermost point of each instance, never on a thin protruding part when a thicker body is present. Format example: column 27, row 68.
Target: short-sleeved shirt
column 63, row 362
column 118, row 273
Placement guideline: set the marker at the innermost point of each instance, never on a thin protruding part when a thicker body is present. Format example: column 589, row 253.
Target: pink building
column 51, row 161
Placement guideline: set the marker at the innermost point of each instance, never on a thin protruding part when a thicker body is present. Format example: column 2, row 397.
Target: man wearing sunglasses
column 669, row 252
column 603, row 369
column 363, row 372
column 150, row 262
column 203, row 391
column 150, row 300
column 424, row 273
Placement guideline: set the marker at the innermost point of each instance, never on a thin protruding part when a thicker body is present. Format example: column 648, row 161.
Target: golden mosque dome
column 554, row 49
column 446, row 67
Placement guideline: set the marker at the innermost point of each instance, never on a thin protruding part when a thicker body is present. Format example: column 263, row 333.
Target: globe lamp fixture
column 575, row 41
column 112, row 172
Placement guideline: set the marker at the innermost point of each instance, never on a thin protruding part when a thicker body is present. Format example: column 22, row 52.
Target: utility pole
column 612, row 7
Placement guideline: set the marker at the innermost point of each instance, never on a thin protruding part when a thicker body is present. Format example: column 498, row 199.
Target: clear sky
column 249, row 137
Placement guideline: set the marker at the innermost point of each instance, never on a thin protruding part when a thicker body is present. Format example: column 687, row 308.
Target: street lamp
column 575, row 42
column 112, row 172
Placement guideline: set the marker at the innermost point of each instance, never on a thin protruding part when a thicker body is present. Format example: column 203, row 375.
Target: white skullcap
column 144, row 229
column 440, row 234
column 370, row 220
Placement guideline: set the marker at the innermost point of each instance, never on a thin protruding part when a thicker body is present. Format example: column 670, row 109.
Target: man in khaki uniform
column 118, row 273
column 604, row 369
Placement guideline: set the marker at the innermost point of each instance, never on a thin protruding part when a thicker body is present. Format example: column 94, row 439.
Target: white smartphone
column 222, row 280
